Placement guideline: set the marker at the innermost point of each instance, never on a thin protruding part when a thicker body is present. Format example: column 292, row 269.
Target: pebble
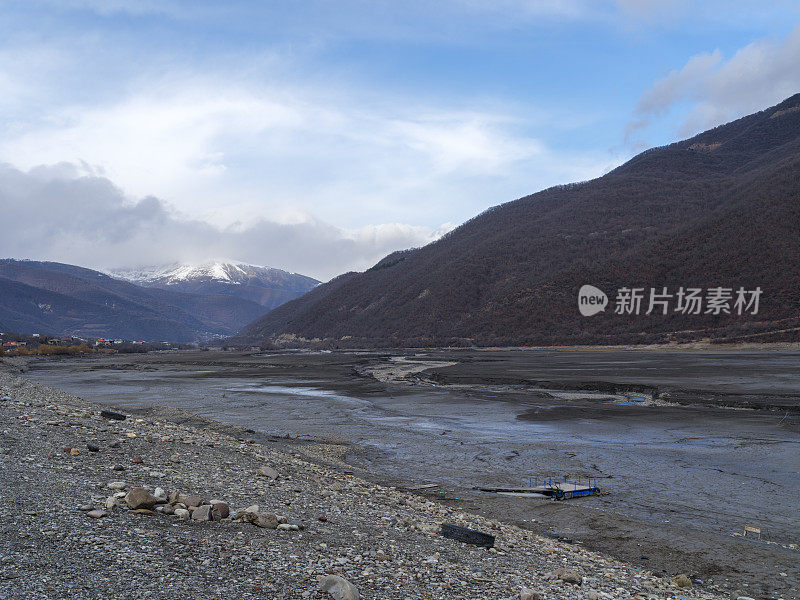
column 267, row 521
column 92, row 447
column 192, row 500
column 268, row 472
column 97, row 513
column 137, row 460
column 249, row 514
column 568, row 576
column 529, row 594
column 116, row 485
column 182, row 513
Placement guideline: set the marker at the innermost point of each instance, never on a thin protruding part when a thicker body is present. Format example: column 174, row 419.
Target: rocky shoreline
column 103, row 508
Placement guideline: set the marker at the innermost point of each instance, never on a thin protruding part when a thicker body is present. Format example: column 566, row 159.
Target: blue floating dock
column 550, row 489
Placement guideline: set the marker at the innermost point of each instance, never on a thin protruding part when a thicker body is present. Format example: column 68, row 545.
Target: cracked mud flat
column 683, row 478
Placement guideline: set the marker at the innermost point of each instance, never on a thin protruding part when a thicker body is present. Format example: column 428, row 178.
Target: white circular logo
column 591, row 300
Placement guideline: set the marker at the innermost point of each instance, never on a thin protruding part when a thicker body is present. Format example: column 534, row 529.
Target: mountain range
column 719, row 211
column 264, row 285
column 180, row 303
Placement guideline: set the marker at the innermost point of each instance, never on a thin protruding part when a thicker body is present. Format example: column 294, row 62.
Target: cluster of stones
column 188, row 506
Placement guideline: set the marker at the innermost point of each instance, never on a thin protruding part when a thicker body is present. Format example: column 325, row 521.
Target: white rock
column 182, row 514
column 338, row 588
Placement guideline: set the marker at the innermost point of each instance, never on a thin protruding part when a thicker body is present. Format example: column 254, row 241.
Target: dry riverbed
column 61, row 458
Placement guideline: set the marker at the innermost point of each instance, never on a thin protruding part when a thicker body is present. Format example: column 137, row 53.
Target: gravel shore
column 67, row 530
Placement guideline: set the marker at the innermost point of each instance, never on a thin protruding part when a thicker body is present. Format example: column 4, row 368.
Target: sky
column 319, row 136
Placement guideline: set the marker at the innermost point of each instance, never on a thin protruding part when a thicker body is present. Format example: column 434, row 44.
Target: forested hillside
column 719, row 210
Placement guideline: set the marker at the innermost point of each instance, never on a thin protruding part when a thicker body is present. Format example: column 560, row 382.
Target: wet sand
column 684, row 473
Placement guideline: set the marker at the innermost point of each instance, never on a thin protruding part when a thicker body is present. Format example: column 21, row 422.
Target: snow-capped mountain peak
column 216, row 270
column 215, row 273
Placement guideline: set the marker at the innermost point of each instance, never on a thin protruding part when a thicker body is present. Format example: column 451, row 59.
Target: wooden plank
column 468, row 536
column 110, row 414
column 523, row 494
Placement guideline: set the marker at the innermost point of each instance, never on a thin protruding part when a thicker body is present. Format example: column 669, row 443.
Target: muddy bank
column 766, row 379
column 683, row 479
column 130, row 508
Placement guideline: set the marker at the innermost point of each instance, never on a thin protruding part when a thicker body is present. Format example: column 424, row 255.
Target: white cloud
column 62, row 213
column 229, row 149
column 717, row 90
column 259, row 159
